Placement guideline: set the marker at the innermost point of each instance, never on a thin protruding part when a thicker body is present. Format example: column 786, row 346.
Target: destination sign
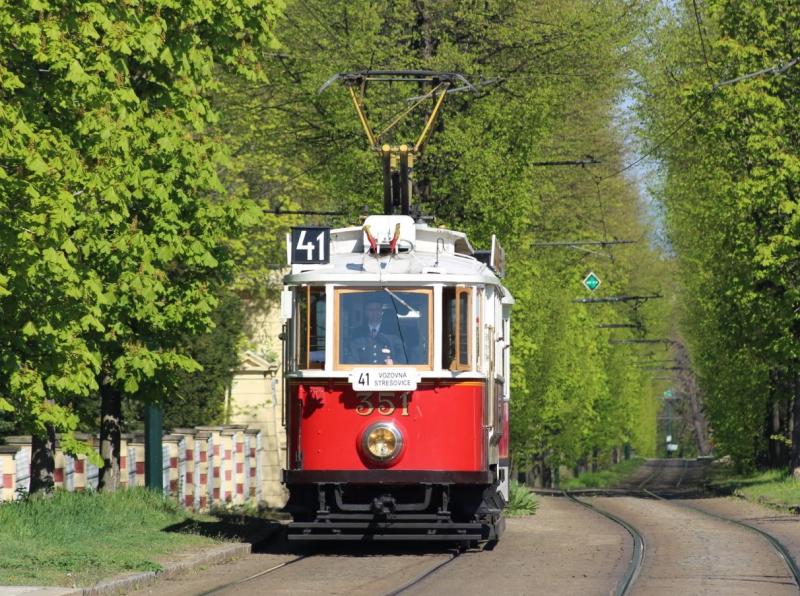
column 383, row 379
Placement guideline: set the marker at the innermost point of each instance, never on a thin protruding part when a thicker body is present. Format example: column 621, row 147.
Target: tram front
column 395, row 385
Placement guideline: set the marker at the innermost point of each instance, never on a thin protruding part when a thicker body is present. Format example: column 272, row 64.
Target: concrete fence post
column 259, row 468
column 195, row 504
column 59, row 470
column 246, row 465
column 213, row 469
column 69, row 473
column 22, row 461
column 203, row 471
column 171, row 449
column 8, row 472
column 238, row 467
column 123, row 460
column 188, row 468
column 182, row 471
column 132, row 463
column 226, row 467
column 165, row 487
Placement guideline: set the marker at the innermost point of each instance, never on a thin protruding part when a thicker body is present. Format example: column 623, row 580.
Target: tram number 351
column 382, row 403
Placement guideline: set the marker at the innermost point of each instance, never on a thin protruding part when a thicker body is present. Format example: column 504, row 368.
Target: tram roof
column 426, row 255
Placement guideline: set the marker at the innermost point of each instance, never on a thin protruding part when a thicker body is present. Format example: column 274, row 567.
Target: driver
column 372, row 344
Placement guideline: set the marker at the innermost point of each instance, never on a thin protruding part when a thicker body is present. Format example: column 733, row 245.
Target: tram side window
column 456, row 310
column 311, row 327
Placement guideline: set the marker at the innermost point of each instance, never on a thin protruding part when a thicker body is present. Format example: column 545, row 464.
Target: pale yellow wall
column 254, row 401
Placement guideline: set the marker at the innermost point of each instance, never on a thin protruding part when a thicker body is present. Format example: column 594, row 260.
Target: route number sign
column 310, row 245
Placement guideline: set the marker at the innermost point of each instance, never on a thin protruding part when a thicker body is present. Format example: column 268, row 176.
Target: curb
column 130, row 582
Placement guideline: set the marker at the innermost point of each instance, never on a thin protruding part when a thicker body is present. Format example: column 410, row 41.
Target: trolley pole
column 153, row 458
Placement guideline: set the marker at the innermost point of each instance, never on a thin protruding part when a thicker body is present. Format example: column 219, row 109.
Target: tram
column 396, row 368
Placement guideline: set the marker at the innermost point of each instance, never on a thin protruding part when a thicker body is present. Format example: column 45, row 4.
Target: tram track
column 254, row 576
column 781, row 550
column 402, row 588
column 424, row 575
column 637, row 558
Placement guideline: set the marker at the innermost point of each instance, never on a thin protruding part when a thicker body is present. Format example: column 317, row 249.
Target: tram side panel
column 441, row 424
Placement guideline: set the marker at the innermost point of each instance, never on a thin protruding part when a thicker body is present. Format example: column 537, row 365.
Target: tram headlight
column 382, row 442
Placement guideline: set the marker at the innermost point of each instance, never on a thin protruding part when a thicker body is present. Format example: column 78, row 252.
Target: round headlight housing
column 382, row 442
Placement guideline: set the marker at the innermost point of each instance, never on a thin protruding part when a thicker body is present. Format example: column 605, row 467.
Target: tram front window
column 384, row 327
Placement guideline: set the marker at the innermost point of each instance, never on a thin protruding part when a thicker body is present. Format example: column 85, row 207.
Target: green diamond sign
column 591, row 282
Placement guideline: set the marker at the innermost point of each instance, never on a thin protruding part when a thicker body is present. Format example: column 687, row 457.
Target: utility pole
column 153, row 455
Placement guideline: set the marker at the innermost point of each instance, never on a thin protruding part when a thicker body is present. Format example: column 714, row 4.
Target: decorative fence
column 203, row 466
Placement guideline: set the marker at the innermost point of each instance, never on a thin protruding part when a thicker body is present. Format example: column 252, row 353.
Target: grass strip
column 607, row 478
column 77, row 539
column 774, row 488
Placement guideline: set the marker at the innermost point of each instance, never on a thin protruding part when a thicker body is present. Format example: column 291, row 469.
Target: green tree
column 731, row 169
column 137, row 230
column 548, row 83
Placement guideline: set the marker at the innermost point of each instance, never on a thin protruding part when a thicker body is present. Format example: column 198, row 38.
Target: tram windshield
column 384, row 327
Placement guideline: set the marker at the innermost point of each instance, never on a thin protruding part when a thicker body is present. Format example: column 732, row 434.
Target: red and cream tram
column 397, row 384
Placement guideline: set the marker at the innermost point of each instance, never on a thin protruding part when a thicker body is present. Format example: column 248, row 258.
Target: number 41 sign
column 309, row 245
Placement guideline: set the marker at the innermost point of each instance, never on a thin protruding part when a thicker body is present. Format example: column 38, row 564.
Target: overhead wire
column 700, row 35
column 773, row 70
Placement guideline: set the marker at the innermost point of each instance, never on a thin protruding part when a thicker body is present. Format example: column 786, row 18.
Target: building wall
column 256, row 399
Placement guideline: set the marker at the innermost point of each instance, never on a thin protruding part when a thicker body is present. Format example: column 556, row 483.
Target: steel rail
column 637, row 558
column 413, row 582
column 249, row 578
column 776, row 544
column 425, row 574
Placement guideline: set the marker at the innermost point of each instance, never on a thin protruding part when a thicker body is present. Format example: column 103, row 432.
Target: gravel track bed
column 688, row 552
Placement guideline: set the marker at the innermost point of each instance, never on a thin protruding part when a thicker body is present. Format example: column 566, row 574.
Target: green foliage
column 608, row 478
column 116, row 230
column 199, row 398
column 774, row 488
column 730, row 184
column 548, row 86
column 79, row 538
column 521, row 501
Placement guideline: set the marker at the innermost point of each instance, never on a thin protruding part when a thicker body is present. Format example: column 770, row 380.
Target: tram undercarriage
column 423, row 511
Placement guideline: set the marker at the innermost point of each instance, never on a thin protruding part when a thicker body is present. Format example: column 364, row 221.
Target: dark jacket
column 365, row 349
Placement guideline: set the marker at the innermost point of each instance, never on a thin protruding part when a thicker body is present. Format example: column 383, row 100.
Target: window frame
column 457, row 360
column 339, row 291
column 303, row 328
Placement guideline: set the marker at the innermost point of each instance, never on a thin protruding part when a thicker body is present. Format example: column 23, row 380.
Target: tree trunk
column 110, row 431
column 795, row 461
column 43, row 462
column 691, row 393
